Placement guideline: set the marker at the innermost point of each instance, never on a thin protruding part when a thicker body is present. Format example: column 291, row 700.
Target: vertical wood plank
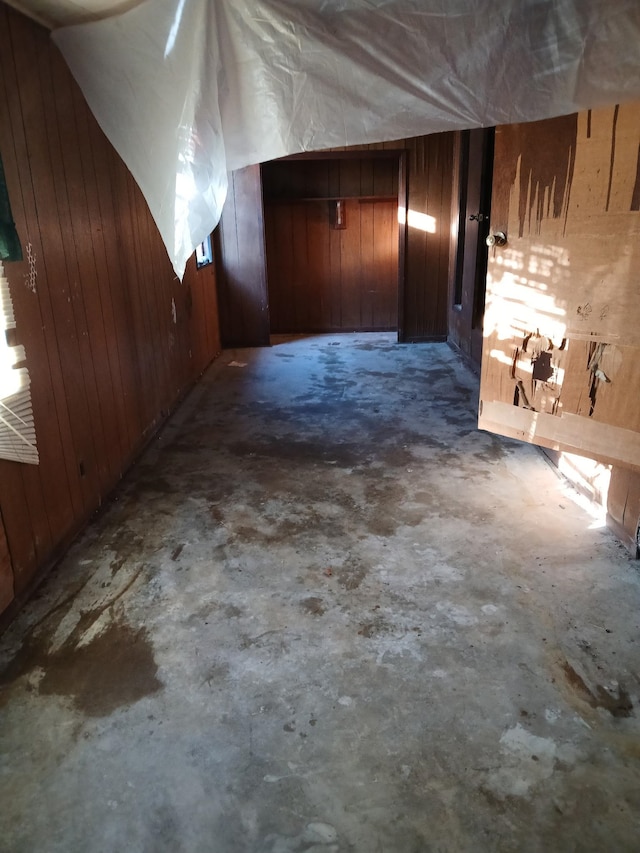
column 372, row 278
column 350, row 268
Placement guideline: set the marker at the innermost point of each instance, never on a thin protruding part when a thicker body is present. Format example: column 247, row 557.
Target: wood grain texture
column 424, row 255
column 562, row 326
column 6, row 571
column 323, row 279
column 609, row 444
column 241, row 263
column 430, row 170
column 112, row 338
column 623, row 506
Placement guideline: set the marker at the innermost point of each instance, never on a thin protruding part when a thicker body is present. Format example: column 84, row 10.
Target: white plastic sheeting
column 188, row 89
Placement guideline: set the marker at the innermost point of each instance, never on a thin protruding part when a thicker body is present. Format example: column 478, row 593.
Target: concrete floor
column 324, row 613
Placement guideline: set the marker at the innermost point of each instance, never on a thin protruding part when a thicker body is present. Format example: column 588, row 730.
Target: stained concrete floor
column 324, row 613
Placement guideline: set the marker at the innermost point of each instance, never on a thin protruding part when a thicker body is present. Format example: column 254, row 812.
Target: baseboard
column 425, row 339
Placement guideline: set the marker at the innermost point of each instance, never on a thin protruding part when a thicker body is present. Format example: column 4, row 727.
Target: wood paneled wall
column 244, row 309
column 332, row 177
column 6, row 572
column 424, row 302
column 623, row 507
column 241, row 263
column 323, row 278
column 112, row 338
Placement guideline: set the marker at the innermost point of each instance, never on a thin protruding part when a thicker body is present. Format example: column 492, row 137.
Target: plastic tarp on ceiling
column 189, row 89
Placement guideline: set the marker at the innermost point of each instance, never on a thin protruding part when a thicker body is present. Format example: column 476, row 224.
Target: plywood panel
column 94, row 302
column 562, row 325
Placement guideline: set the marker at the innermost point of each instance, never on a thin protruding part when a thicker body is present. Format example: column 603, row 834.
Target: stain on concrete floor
column 324, row 613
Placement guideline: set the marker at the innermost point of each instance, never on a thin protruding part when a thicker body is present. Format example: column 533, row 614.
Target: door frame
column 472, row 185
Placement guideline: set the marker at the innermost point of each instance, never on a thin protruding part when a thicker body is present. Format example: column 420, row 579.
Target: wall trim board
column 403, row 201
column 569, row 432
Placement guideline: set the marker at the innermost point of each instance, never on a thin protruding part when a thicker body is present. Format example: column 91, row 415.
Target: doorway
column 333, row 240
column 470, row 227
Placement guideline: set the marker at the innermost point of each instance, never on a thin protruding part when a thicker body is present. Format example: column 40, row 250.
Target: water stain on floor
column 114, row 669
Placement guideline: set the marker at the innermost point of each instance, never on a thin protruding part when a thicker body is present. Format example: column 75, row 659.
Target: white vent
column 17, row 432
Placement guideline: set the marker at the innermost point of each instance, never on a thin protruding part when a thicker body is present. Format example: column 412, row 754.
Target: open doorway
column 473, row 173
column 334, row 241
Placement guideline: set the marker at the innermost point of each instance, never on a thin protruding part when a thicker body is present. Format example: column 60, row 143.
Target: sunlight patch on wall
column 415, row 219
column 17, row 432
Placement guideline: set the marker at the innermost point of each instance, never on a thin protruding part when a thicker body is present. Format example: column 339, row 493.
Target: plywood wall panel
column 108, row 356
column 562, row 338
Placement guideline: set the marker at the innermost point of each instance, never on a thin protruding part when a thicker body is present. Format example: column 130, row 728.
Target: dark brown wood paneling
column 561, row 341
column 315, row 176
column 430, row 170
column 6, row 571
column 424, row 255
column 242, row 279
column 112, row 338
column 323, row 278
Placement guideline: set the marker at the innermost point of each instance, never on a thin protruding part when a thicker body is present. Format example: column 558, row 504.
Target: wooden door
column 562, row 322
